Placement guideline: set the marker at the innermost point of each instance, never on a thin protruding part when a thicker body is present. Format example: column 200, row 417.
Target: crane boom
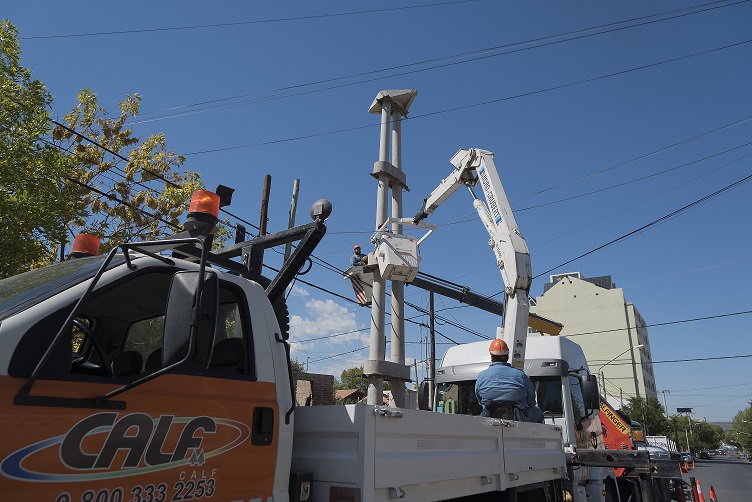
column 471, row 167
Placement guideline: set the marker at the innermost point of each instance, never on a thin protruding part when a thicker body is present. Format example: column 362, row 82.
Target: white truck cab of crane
column 565, row 391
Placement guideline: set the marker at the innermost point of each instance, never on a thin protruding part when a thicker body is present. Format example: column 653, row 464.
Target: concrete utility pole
column 291, row 219
column 432, row 352
column 665, row 406
column 392, row 106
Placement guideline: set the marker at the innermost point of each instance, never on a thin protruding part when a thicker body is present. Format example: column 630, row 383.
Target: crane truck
column 160, row 371
column 566, row 390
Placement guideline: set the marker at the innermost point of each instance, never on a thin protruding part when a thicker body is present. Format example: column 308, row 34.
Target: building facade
column 597, row 316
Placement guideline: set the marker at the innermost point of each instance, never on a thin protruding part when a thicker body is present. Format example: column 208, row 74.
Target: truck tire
column 280, row 310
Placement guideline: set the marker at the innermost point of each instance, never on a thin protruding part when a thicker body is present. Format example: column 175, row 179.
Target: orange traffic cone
column 686, row 466
column 701, row 497
column 712, row 495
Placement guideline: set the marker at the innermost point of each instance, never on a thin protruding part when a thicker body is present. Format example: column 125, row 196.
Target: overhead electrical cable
column 601, row 219
column 719, row 358
column 244, row 23
column 293, row 90
column 668, row 323
column 653, row 223
column 641, row 201
column 478, row 104
column 120, row 201
column 634, row 180
column 640, row 157
column 153, row 173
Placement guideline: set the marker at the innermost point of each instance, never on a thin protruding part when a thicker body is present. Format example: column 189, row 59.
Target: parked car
column 656, row 452
column 705, row 454
column 687, row 457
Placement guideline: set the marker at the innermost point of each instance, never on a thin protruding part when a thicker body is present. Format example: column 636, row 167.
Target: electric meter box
column 397, row 256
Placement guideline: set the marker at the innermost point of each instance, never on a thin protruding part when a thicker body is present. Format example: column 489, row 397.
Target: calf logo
column 141, row 437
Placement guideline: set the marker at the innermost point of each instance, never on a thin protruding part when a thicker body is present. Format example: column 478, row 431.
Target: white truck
column 146, row 377
column 568, row 395
column 566, row 390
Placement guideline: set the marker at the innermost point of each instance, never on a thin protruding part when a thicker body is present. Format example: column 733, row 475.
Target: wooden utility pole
column 265, row 204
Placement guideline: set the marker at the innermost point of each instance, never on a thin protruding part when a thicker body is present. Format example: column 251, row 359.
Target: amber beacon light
column 85, row 245
column 205, row 202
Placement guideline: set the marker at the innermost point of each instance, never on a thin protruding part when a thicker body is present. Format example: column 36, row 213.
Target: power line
column 667, row 323
column 640, row 157
column 632, row 233
column 634, row 180
column 642, row 201
column 690, row 360
column 244, row 23
column 153, row 173
column 291, row 91
column 120, row 201
column 478, row 104
column 652, row 223
column 339, row 355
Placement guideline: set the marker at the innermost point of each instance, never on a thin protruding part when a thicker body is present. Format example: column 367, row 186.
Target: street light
column 603, row 381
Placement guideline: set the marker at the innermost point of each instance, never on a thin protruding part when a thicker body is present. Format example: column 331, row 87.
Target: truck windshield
column 20, row 291
column 549, row 397
column 457, row 398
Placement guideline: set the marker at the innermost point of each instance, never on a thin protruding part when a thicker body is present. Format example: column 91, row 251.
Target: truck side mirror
column 423, row 396
column 590, row 393
column 177, row 347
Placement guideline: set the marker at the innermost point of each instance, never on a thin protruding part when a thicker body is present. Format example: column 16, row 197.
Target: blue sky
column 568, row 95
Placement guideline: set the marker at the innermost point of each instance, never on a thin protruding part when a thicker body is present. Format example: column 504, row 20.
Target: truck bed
column 367, row 453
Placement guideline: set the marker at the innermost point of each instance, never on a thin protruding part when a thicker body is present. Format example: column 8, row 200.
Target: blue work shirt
column 502, row 382
column 358, row 259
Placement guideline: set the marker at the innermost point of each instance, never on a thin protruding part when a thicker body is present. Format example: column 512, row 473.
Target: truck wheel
column 612, row 491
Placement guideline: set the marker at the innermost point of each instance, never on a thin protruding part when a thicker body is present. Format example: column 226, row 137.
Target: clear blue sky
column 554, row 110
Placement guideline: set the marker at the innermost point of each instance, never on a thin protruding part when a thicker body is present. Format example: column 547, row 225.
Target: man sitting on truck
column 504, row 391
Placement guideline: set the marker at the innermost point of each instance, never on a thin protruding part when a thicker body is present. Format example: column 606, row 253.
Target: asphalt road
column 730, row 476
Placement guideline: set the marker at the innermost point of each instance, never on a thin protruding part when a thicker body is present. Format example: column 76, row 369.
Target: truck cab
column 564, row 391
column 99, row 422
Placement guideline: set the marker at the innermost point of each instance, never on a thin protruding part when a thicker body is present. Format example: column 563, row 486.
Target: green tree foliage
column 741, row 429
column 35, row 200
column 153, row 190
column 650, row 413
column 699, row 435
column 44, row 172
column 297, row 366
column 352, row 378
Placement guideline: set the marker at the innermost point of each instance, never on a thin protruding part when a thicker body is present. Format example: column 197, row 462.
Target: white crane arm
column 512, row 255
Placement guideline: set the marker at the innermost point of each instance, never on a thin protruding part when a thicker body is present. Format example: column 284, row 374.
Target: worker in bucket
column 504, row 391
column 358, row 258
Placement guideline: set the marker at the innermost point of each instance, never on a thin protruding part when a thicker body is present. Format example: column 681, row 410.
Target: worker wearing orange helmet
column 505, row 391
column 358, row 258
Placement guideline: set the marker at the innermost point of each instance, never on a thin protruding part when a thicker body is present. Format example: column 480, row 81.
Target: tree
column 650, row 413
column 352, row 378
column 699, row 435
column 297, row 366
column 35, row 200
column 114, row 186
column 741, row 429
column 128, row 206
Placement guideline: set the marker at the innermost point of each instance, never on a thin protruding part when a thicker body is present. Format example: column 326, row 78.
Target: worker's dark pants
column 498, row 409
